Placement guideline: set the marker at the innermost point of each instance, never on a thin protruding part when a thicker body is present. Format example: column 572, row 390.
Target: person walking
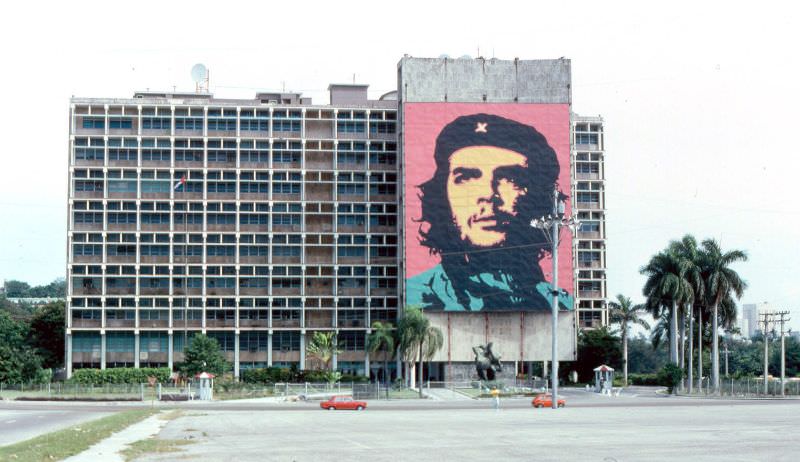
column 495, row 397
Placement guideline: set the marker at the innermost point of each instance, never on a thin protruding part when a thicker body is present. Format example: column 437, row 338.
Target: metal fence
column 76, row 391
column 745, row 388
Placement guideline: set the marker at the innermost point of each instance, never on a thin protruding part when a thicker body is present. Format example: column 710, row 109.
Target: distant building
column 748, row 321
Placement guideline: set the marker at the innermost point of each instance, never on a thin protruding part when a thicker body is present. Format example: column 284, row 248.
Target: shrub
column 670, row 376
column 120, row 375
column 643, row 379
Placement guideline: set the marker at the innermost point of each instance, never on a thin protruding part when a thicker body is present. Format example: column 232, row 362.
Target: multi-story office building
column 588, row 173
column 257, row 222
column 254, row 221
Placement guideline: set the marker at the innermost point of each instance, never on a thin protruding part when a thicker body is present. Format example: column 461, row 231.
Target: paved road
column 22, row 424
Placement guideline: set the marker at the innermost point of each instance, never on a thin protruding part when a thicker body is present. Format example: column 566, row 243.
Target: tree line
column 689, row 285
column 31, row 342
column 19, row 289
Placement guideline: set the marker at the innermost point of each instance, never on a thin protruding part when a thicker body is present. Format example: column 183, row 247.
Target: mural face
column 475, row 176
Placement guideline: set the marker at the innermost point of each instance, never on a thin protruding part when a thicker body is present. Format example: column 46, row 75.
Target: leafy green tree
column 323, row 347
column 203, row 355
column 596, row 347
column 18, row 362
column 47, row 333
column 721, row 282
column 626, row 314
column 418, row 339
column 17, row 289
column 382, row 339
column 643, row 358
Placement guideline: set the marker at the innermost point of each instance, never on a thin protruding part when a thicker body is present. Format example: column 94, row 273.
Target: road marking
column 10, row 421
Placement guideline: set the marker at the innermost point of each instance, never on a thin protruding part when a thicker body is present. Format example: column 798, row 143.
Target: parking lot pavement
column 686, row 430
column 21, row 424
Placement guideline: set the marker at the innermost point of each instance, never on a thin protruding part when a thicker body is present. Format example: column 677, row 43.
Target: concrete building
column 258, row 222
column 253, row 221
column 748, row 321
column 588, row 164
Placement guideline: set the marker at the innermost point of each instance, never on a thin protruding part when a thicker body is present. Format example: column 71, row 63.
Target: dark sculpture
column 486, row 362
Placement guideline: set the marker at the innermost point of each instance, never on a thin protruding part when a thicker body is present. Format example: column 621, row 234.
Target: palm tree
column 721, row 282
column 382, row 339
column 666, row 287
column 323, row 347
column 688, row 251
column 418, row 339
column 625, row 313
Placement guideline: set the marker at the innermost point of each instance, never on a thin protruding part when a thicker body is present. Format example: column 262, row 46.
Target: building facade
column 588, row 173
column 257, row 222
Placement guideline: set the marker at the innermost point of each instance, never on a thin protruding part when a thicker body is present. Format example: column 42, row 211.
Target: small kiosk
column 603, row 379
column 206, row 386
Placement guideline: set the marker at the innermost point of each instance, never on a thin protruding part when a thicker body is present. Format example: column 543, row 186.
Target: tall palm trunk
column 691, row 341
column 625, row 353
column 700, row 350
column 682, row 341
column 715, row 349
column 673, row 334
column 385, row 369
column 420, row 370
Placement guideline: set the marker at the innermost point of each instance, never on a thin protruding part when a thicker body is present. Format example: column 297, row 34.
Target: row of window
column 229, row 124
column 211, row 238
column 198, row 303
column 158, row 342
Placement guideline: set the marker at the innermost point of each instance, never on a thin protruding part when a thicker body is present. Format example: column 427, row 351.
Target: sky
column 699, row 101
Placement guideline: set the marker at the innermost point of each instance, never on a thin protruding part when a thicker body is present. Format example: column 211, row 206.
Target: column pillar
column 102, row 350
column 335, row 358
column 136, row 354
column 170, row 350
column 302, row 351
column 236, row 355
column 366, row 364
column 68, row 350
column 269, row 349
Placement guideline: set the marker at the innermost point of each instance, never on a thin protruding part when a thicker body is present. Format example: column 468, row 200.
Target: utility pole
column 783, row 322
column 553, row 223
column 766, row 317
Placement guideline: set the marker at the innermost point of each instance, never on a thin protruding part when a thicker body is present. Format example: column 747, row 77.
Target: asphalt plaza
column 593, row 428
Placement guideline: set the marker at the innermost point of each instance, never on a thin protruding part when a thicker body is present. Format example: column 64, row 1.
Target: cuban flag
column 180, row 183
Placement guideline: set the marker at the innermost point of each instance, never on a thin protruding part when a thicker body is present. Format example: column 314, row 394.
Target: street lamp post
column 553, row 223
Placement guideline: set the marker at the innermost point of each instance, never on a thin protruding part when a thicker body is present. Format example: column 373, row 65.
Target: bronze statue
column 486, row 362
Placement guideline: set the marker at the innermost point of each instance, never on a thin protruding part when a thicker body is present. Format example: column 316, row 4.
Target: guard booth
column 603, row 379
column 205, row 386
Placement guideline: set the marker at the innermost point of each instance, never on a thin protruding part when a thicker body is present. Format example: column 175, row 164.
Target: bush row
column 643, row 379
column 270, row 375
column 120, row 375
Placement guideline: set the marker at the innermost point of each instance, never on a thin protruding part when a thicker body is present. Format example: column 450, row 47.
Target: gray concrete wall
column 516, row 336
column 487, row 80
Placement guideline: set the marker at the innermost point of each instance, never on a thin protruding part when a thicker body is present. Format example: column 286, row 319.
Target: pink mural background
column 422, row 122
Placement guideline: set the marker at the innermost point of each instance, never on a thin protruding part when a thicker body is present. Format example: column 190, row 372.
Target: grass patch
column 73, row 440
column 153, row 446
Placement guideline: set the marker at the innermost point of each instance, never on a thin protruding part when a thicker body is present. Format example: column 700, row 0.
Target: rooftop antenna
column 200, row 75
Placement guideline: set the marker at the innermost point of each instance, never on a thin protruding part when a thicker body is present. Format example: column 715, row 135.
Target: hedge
column 271, row 375
column 120, row 375
column 643, row 379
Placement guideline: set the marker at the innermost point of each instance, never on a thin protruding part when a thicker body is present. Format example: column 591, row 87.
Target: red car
column 343, row 402
column 546, row 400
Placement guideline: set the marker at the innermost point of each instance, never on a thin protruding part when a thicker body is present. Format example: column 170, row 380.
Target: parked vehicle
column 343, row 402
column 546, row 400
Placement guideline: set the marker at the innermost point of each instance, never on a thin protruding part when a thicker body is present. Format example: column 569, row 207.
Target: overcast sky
column 699, row 101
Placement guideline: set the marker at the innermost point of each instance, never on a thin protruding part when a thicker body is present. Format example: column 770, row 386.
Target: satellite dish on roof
column 199, row 73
